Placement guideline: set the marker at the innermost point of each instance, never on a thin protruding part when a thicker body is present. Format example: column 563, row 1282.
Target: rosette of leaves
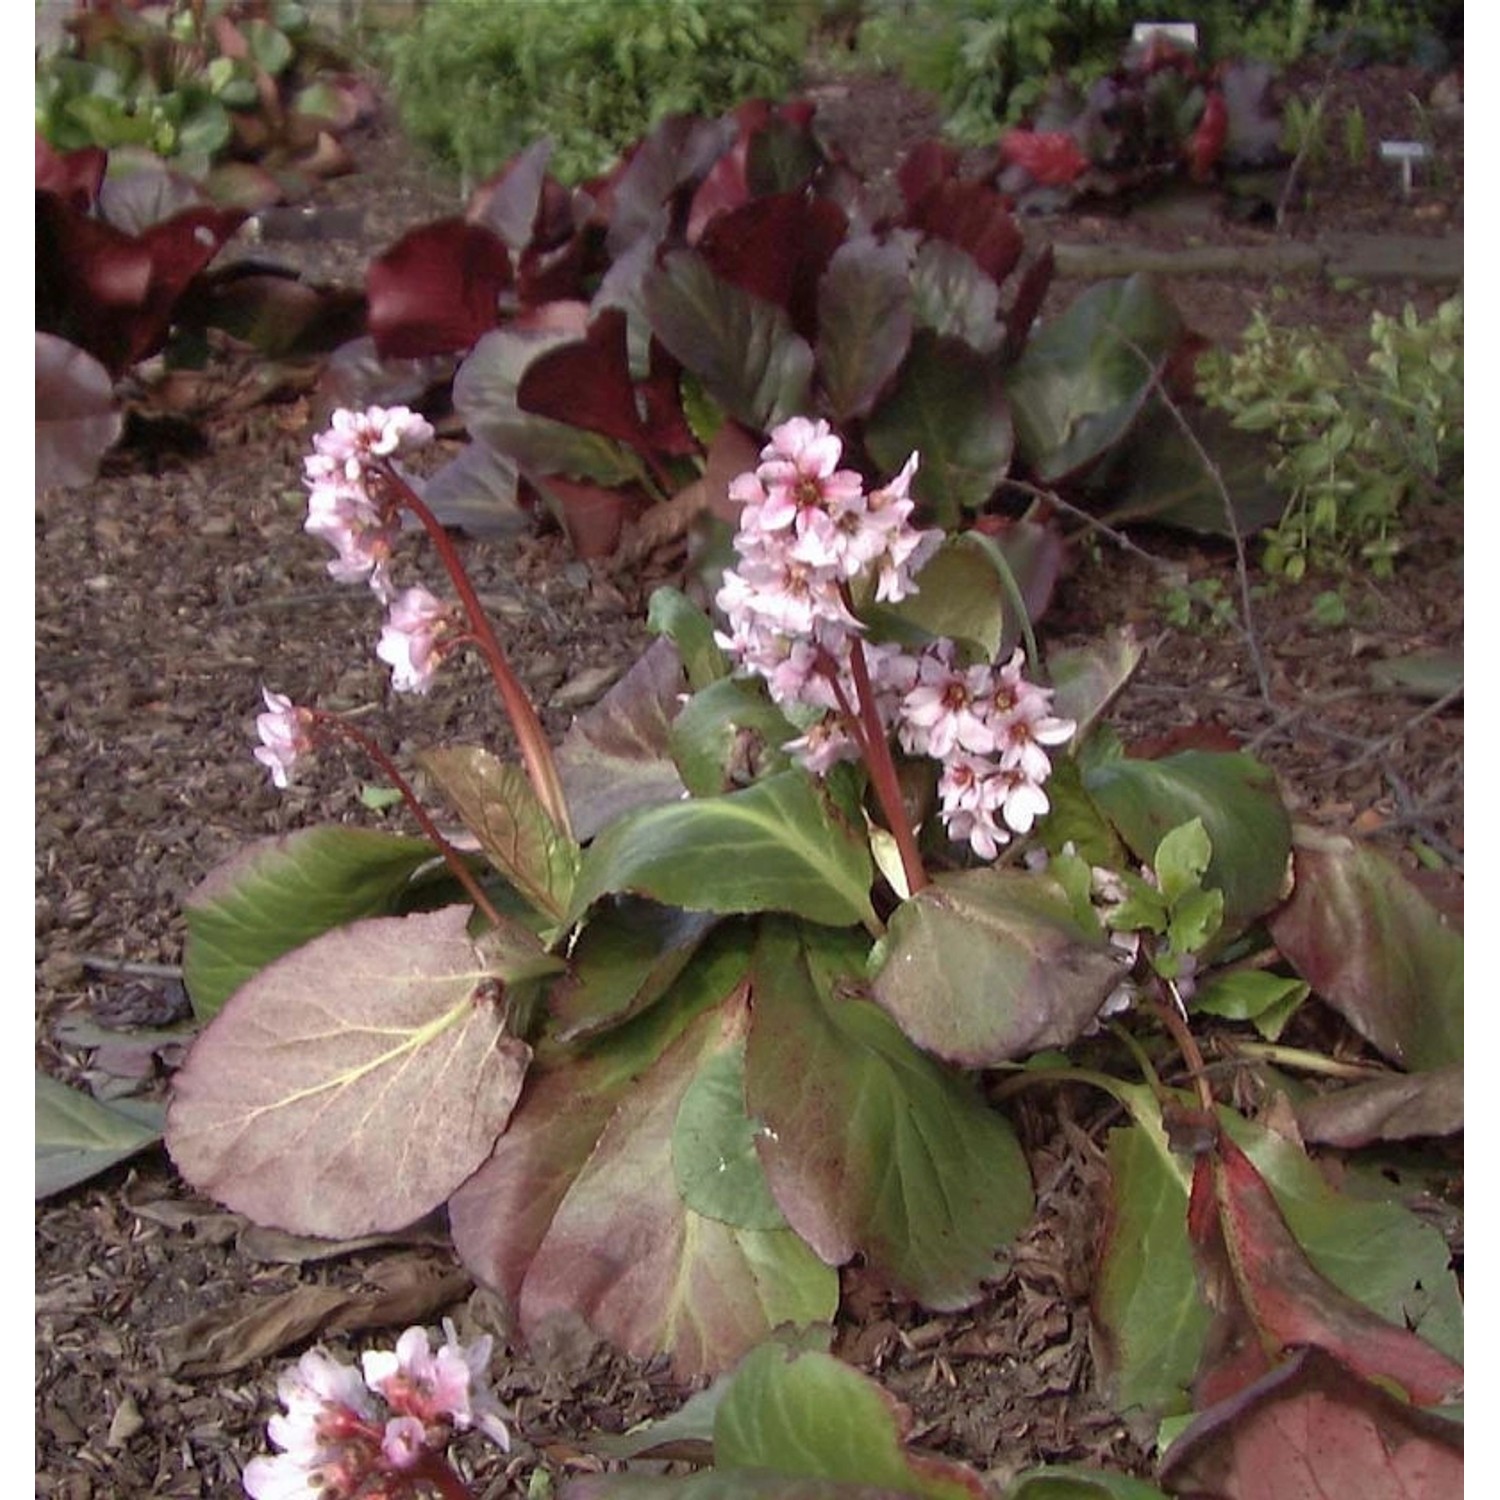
column 708, row 1055
column 211, row 86
column 1161, row 114
column 624, row 343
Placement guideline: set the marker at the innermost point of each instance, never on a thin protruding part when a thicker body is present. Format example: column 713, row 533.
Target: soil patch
column 171, row 589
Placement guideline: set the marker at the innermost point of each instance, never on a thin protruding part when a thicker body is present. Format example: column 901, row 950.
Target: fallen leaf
column 1387, row 1109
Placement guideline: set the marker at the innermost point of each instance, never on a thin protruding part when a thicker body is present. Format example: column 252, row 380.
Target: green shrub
column 479, row 80
column 1349, row 446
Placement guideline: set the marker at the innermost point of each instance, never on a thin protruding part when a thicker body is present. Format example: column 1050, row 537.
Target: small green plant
column 1349, row 446
column 1356, row 137
column 1199, row 603
column 479, row 80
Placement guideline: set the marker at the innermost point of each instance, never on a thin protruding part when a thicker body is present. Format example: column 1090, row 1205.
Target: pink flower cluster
column 349, row 507
column 810, row 543
column 335, row 1442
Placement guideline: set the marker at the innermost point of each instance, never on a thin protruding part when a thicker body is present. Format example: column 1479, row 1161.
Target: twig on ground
column 102, row 963
column 1051, row 497
column 1377, row 748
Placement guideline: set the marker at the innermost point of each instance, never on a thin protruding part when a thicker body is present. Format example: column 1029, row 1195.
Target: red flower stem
column 536, row 753
column 439, row 1473
column 882, row 770
column 451, row 857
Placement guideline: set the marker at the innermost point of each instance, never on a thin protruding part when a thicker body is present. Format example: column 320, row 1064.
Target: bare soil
column 172, row 588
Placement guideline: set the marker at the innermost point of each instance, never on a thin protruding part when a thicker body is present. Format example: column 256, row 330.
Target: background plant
column 198, row 81
column 1352, row 445
column 480, row 80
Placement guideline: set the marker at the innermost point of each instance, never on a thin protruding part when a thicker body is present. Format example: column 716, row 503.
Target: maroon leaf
column 975, row 219
column 592, row 514
column 589, row 385
column 437, row 289
column 864, row 324
column 1271, row 1298
column 76, row 416
column 1375, row 949
column 74, row 177
column 510, row 202
column 1031, row 292
column 676, row 155
column 776, row 248
column 927, row 166
column 1311, row 1428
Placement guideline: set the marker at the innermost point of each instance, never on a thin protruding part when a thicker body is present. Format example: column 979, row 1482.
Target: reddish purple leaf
column 510, row 201
column 776, row 248
column 589, row 385
column 927, row 166
column 1374, row 948
column 1311, row 1429
column 74, row 176
column 592, row 514
column 1272, row 1298
column 975, row 219
column 437, row 289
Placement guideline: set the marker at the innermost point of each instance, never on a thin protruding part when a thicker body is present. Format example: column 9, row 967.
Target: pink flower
column 799, row 473
column 286, row 735
column 404, row 1442
column 437, row 1388
column 419, row 632
column 323, row 1433
column 361, row 535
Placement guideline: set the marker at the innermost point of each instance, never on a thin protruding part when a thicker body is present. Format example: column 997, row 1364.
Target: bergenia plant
column 713, row 997
column 381, row 1428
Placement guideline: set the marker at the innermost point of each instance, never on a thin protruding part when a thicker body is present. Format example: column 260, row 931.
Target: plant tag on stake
column 1184, row 33
column 1406, row 154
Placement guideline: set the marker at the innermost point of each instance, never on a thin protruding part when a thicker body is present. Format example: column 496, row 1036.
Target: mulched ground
column 168, row 591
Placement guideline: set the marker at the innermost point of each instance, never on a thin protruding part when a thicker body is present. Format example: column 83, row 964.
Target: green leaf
column 1150, row 1317
column 499, row 807
column 352, row 1085
column 778, row 845
column 1380, row 1253
column 742, row 348
column 1194, row 921
column 864, row 323
column 1266, row 1000
column 1085, row 375
column 1236, row 798
column 959, row 595
column 673, row 614
column 1180, row 860
column 277, row 894
column 949, row 406
column 728, row 734
column 713, row 1149
column 954, row 297
column 984, row 966
column 1087, row 679
column 1074, row 1482
column 77, row 1137
column 871, row 1146
column 809, row 1415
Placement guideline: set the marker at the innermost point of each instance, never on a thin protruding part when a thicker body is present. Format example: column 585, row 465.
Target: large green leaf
column 871, row 1146
column 613, row 1242
column 713, row 1149
column 954, row 296
column 743, row 349
column 779, row 845
column 959, row 595
column 1373, row 947
column 1237, row 800
column 809, row 1415
column 353, row 1084
column 276, row 894
column 948, row 405
column 1074, row 1482
column 77, row 1137
column 499, row 807
column 1085, row 375
column 864, row 323
column 984, row 966
column 1150, row 1317
column 672, row 614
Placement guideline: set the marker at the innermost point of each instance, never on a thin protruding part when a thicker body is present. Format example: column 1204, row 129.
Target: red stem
column 536, row 753
column 454, row 860
column 882, row 768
